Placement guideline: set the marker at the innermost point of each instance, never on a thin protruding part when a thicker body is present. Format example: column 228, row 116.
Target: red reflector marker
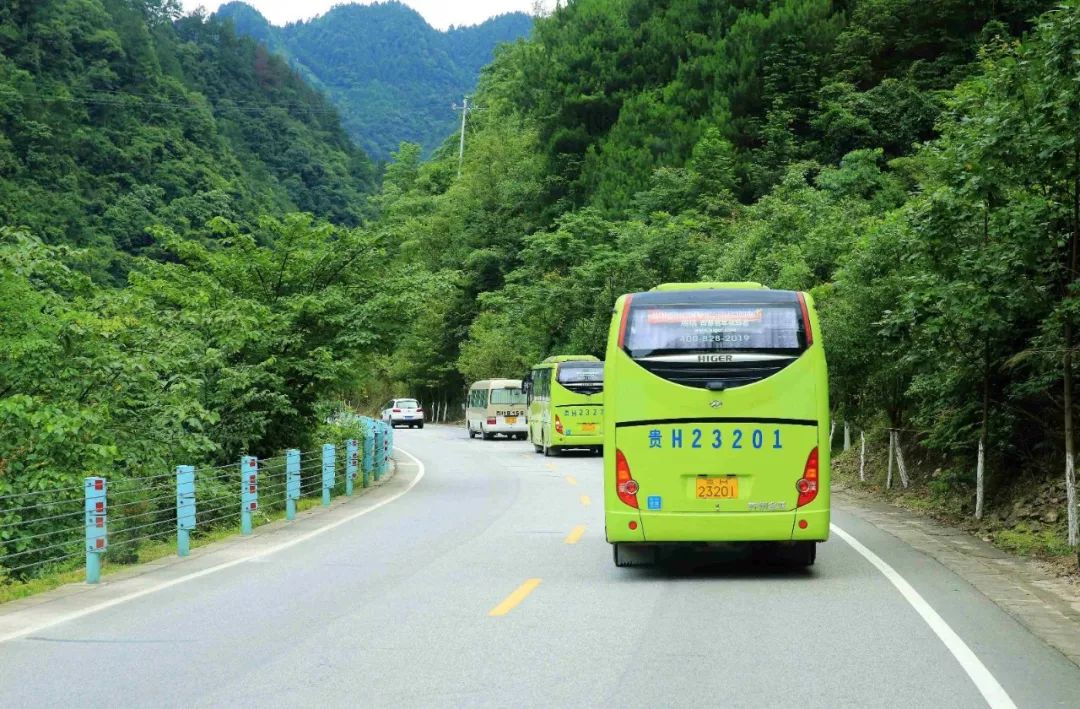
column 802, row 524
column 100, row 543
column 633, row 525
column 99, row 484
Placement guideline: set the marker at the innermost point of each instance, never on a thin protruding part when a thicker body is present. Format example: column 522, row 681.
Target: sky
column 439, row 13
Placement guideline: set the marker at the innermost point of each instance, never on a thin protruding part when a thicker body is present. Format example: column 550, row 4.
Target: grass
column 153, row 550
column 1023, row 541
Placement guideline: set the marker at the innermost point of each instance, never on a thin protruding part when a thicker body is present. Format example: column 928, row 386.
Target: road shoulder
column 1047, row 605
column 29, row 615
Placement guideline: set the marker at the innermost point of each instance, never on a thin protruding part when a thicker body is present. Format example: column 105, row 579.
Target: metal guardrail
column 46, row 531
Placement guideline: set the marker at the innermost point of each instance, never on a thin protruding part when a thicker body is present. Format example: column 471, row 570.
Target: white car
column 403, row 412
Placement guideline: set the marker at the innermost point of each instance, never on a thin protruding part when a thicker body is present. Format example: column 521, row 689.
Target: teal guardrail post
column 185, row 508
column 352, row 461
column 377, row 449
column 369, row 450
column 249, row 491
column 328, row 464
column 97, row 528
column 292, row 482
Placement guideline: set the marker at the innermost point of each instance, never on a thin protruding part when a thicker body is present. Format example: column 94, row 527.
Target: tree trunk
column 1070, row 452
column 979, row 479
column 900, row 467
column 980, row 466
column 892, row 452
column 832, row 430
column 862, row 457
column 1067, row 366
column 847, row 436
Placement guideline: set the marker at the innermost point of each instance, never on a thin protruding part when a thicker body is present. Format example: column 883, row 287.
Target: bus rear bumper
column 590, row 441
column 691, row 528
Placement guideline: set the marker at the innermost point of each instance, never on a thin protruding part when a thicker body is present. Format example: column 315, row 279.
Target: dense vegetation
column 116, row 118
column 392, row 76
column 915, row 165
column 183, row 276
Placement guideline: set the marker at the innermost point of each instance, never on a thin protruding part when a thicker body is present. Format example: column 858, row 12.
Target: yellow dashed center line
column 550, row 466
column 571, row 479
column 575, row 534
column 519, row 595
column 585, row 500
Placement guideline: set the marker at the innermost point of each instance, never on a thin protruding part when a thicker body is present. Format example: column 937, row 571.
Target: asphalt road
column 393, row 608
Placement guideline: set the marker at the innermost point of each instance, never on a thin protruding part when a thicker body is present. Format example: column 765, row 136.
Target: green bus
column 716, row 422
column 566, row 404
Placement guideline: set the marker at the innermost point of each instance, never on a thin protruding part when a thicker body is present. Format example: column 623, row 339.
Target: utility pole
column 465, row 108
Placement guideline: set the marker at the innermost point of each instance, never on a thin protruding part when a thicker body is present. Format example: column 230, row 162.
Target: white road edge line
column 220, row 567
column 994, row 694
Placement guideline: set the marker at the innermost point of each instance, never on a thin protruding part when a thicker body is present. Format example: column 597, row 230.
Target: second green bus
column 566, row 404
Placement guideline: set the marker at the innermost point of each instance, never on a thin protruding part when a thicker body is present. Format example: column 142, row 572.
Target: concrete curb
column 1046, row 605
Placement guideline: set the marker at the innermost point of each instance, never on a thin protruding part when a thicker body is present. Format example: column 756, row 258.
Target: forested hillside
column 183, row 276
column 118, row 115
column 915, row 165
column 392, row 76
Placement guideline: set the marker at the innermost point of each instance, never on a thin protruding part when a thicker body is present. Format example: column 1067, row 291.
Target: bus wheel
column 799, row 554
column 633, row 555
column 538, row 448
column 550, row 451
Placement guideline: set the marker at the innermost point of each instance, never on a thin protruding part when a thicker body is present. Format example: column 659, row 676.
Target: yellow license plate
column 717, row 488
column 588, row 428
column 511, row 419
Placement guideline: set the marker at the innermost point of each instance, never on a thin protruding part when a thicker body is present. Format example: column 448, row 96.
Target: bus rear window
column 507, row 396
column 714, row 328
column 588, row 373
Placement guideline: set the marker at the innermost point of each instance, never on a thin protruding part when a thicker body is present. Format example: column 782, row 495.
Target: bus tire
column 799, row 554
column 538, row 448
column 550, row 451
column 626, row 555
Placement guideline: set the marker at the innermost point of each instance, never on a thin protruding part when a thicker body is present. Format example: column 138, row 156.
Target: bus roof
column 496, row 384
column 570, row 358
column 711, row 285
column 693, row 294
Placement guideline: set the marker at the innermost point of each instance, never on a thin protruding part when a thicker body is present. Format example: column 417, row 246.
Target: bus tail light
column 492, row 421
column 808, row 483
column 806, row 319
column 558, row 425
column 624, row 319
column 626, row 487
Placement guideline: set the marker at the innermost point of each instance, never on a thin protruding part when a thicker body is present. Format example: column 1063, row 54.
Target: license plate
column 588, row 428
column 511, row 419
column 717, row 488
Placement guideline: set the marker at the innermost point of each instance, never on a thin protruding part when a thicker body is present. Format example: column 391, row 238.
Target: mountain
column 392, row 75
column 120, row 115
